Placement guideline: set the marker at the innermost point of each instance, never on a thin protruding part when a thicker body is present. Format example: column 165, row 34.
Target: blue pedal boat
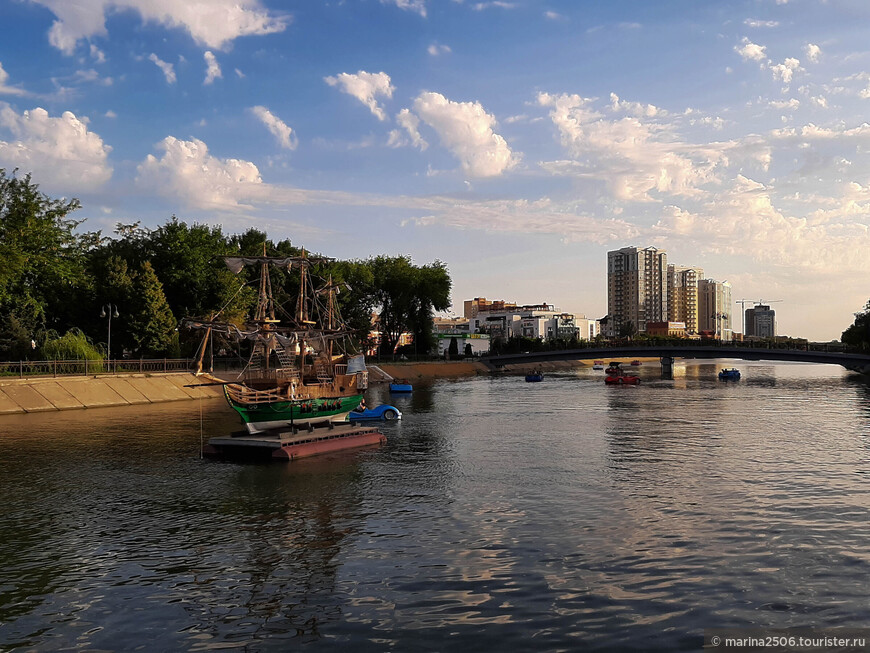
column 382, row 412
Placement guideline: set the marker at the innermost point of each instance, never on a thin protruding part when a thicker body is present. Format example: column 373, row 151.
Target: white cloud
column 635, row 108
column 542, row 216
column 279, row 129
column 167, row 68
column 187, row 172
column 213, row 69
column 417, row 6
column 411, row 124
column 214, row 23
column 97, row 55
column 750, row 22
column 813, row 52
column 744, row 220
column 436, row 49
column 110, row 114
column 792, row 103
column 60, row 152
column 365, row 87
column 467, row 131
column 552, row 15
column 8, row 90
column 786, row 70
column 480, row 6
column 632, row 156
column 751, row 51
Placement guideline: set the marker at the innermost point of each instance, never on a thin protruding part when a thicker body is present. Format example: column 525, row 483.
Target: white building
column 534, row 321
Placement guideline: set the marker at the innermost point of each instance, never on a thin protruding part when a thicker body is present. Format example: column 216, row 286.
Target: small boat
column 401, row 385
column 534, row 377
column 382, row 412
column 614, row 368
column 733, row 374
column 622, row 379
column 636, row 363
column 598, row 365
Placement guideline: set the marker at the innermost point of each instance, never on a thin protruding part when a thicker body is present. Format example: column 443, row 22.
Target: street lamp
column 109, row 310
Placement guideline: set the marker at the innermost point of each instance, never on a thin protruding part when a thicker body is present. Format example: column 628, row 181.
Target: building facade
column 637, row 288
column 714, row 308
column 683, row 296
column 471, row 307
column 533, row 321
column 761, row 321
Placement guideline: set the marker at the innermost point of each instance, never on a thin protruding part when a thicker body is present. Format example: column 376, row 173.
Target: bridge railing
column 686, row 343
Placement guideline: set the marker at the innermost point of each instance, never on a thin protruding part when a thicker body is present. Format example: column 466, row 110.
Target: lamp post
column 109, row 310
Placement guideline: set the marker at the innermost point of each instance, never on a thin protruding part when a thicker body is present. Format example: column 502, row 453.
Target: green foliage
column 43, row 258
column 858, row 335
column 14, row 338
column 73, row 345
column 151, row 323
column 54, row 278
column 407, row 296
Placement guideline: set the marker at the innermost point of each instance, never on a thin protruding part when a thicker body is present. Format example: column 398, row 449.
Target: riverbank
column 458, row 369
column 36, row 395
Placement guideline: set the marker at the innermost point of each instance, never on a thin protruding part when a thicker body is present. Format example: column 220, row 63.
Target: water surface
column 562, row 515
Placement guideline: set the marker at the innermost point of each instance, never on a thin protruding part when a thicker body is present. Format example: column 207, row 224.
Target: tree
column 407, row 296
column 151, row 323
column 453, row 349
column 858, row 335
column 627, row 330
column 43, row 273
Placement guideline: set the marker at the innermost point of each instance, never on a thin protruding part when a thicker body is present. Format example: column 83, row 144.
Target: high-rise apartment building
column 683, row 295
column 761, row 321
column 637, row 288
column 714, row 308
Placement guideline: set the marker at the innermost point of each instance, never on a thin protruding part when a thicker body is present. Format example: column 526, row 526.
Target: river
column 500, row 515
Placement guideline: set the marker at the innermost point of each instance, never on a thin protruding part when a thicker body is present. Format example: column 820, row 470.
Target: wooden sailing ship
column 299, row 372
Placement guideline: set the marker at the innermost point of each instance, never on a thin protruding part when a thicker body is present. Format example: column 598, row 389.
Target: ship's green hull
column 277, row 414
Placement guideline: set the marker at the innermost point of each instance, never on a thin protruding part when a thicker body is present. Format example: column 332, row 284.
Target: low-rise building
column 666, row 329
column 542, row 321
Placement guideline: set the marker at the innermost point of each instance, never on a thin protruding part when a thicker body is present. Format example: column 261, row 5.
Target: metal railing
column 84, row 367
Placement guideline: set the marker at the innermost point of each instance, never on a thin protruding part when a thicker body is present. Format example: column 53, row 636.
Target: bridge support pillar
column 667, row 367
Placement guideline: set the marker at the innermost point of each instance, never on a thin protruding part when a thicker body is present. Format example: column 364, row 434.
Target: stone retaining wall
column 75, row 392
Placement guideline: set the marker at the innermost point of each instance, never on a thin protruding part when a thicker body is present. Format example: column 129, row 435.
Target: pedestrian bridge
column 810, row 354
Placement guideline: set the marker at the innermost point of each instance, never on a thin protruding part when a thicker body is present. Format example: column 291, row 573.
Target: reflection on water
column 500, row 514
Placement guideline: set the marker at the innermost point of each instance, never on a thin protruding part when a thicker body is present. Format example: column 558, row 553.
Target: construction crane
column 757, row 302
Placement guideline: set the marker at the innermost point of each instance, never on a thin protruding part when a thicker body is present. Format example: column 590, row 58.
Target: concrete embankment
column 76, row 392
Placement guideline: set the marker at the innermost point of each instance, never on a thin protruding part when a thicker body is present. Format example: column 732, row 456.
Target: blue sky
column 515, row 141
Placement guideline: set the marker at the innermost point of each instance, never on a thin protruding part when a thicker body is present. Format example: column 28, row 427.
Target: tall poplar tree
column 151, row 323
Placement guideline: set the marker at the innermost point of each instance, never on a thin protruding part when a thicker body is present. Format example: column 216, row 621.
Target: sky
column 515, row 141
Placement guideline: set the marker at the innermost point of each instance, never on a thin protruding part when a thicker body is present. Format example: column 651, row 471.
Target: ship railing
column 244, row 394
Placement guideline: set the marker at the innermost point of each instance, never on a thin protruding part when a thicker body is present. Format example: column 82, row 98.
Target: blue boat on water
column 732, row 374
column 535, row 377
column 382, row 412
column 401, row 385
